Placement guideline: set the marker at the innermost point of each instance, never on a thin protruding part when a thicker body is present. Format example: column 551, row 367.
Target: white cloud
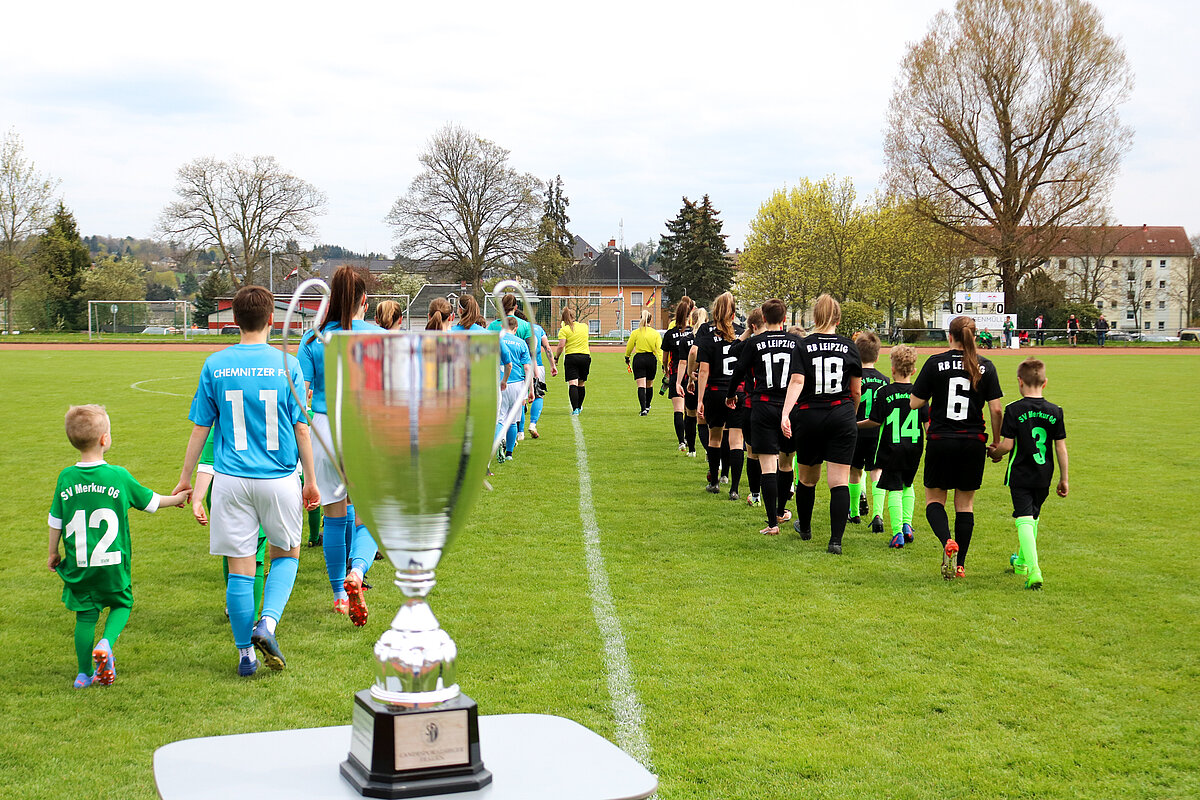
column 635, row 104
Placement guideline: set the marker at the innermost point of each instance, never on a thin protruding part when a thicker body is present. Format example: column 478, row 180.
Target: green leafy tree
column 214, row 286
column 60, row 260
column 857, row 317
column 1039, row 294
column 693, row 254
column 115, row 279
column 772, row 265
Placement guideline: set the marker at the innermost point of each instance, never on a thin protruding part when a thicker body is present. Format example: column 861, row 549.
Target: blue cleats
column 897, row 541
column 264, row 641
column 247, row 667
column 907, row 530
column 83, row 680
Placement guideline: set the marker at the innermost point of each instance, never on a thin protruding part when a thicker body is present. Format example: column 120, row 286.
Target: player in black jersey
column 691, row 398
column 676, row 345
column 1030, row 426
column 900, row 440
column 820, row 414
column 863, row 465
column 958, row 384
column 716, row 369
column 767, row 363
column 755, row 324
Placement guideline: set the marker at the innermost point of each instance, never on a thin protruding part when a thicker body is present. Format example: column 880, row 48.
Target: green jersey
column 90, row 507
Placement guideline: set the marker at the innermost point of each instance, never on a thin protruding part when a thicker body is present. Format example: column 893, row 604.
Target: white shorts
column 327, row 477
column 241, row 505
column 513, row 395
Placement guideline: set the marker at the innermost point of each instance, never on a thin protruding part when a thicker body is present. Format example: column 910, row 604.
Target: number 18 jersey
column 244, row 395
column 955, row 407
column 828, row 362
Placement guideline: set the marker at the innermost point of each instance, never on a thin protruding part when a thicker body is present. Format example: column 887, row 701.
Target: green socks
column 910, row 500
column 895, row 502
column 117, row 617
column 855, row 491
column 878, row 500
column 1027, row 560
column 85, row 635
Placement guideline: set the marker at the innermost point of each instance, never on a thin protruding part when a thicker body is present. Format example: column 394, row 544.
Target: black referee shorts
column 954, row 464
column 645, row 365
column 825, row 434
column 1027, row 502
column 576, row 366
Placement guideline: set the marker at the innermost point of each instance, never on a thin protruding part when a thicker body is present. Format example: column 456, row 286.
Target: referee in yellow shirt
column 573, row 337
column 645, row 347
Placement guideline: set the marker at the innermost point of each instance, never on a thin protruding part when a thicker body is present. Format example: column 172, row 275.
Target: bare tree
column 1094, row 268
column 26, row 207
column 245, row 208
column 1005, row 117
column 467, row 208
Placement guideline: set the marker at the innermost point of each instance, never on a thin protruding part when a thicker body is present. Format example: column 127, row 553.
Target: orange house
column 608, row 291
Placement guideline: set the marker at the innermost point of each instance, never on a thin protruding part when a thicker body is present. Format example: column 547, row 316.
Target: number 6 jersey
column 955, row 408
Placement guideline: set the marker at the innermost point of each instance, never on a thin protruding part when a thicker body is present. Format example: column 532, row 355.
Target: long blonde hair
column 827, row 312
column 647, row 318
column 698, row 318
column 722, row 316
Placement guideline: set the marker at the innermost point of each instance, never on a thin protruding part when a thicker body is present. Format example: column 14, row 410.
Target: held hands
column 994, row 454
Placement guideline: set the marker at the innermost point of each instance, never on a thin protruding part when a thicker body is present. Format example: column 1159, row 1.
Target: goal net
column 150, row 317
column 604, row 316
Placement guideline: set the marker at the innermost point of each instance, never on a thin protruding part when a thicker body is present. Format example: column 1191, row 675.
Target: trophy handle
column 322, row 289
column 530, row 374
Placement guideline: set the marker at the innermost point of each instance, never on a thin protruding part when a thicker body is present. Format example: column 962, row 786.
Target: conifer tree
column 693, row 254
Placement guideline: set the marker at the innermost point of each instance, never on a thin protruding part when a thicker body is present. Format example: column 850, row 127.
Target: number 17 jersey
column 771, row 359
column 244, row 395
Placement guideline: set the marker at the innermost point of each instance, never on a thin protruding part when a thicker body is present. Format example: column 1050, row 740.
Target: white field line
column 627, row 709
column 138, row 385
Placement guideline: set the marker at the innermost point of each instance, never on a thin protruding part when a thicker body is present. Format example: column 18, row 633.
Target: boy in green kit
column 89, row 514
column 1032, row 427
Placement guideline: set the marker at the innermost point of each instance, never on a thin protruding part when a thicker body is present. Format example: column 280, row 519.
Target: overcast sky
column 635, row 104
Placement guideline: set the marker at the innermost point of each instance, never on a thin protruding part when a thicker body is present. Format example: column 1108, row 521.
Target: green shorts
column 83, row 599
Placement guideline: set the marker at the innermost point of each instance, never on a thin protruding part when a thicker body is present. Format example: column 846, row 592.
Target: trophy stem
column 415, row 658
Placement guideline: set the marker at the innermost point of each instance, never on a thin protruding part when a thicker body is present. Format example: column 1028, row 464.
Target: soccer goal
column 601, row 315
column 125, row 317
column 373, row 301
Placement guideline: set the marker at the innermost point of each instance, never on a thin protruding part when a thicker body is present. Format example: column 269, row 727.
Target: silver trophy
column 412, row 417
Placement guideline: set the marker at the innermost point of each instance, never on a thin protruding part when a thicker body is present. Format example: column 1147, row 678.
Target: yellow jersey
column 645, row 340
column 576, row 337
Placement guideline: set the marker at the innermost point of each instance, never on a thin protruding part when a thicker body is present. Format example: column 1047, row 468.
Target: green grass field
column 765, row 667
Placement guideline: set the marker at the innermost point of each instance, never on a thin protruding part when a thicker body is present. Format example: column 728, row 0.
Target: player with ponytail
column 957, row 384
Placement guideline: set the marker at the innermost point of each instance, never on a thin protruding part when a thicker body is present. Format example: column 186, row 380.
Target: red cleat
column 960, row 571
column 948, row 557
column 358, row 603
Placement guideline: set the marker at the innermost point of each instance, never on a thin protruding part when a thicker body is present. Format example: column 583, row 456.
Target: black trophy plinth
column 403, row 752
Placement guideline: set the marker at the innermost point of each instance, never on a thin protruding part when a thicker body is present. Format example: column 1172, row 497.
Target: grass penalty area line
column 627, row 708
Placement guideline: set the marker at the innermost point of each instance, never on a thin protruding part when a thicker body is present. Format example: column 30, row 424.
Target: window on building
column 1112, row 324
column 1100, row 304
column 635, row 298
column 970, row 284
column 1116, row 263
column 983, row 263
column 1162, row 263
column 1147, row 305
column 1129, row 314
column 1162, row 284
column 594, row 327
column 1161, row 325
column 1113, row 304
column 1162, row 303
column 1149, row 284
column 1114, row 283
column 1148, row 263
column 633, row 326
column 1062, row 263
column 983, row 284
column 594, row 300
column 1147, row 326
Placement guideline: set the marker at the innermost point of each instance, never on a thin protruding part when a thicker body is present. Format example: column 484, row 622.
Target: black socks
column 641, row 397
column 679, row 431
column 689, row 433
column 735, row 468
column 964, row 526
column 703, row 431
column 939, row 523
column 725, row 452
column 770, row 493
column 806, row 496
column 573, row 391
column 753, row 475
column 839, row 509
column 784, row 484
column 714, row 464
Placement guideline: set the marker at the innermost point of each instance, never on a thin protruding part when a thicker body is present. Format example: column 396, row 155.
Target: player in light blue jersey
column 514, row 360
column 261, row 432
column 343, row 533
column 469, row 318
column 541, row 344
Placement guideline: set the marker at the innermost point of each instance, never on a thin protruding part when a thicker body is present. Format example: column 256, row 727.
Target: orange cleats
column 960, row 571
column 948, row 557
column 341, row 606
column 358, row 603
column 106, row 665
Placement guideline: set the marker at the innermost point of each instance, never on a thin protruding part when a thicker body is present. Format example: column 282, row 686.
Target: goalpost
column 602, row 315
column 162, row 317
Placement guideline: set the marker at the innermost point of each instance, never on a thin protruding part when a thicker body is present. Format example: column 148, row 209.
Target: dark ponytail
column 346, row 293
column 962, row 330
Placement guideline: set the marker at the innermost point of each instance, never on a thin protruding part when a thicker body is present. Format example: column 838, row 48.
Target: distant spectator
column 1101, row 330
column 1041, row 329
column 1008, row 331
column 1073, row 330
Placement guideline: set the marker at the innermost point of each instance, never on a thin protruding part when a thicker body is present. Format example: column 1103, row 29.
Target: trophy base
column 410, row 752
